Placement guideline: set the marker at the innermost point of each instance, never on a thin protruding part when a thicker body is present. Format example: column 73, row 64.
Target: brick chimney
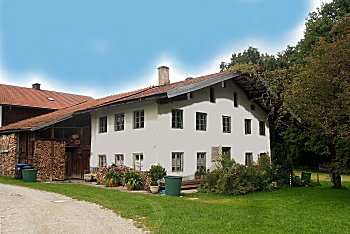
column 163, row 75
column 36, row 86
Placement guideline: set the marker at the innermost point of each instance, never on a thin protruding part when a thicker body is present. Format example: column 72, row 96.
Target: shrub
column 229, row 177
column 112, row 179
column 133, row 180
column 157, row 172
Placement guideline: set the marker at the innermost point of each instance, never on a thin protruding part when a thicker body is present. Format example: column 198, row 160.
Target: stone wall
column 8, row 151
column 44, row 163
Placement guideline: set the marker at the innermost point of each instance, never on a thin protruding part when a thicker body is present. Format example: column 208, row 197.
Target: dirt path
column 24, row 210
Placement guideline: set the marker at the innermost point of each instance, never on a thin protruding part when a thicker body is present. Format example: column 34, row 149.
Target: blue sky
column 104, row 47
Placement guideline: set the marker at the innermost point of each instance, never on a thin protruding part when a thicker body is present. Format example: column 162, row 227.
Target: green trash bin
column 173, row 185
column 29, row 175
column 306, row 176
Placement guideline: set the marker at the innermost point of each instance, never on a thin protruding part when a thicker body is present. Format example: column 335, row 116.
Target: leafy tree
column 320, row 94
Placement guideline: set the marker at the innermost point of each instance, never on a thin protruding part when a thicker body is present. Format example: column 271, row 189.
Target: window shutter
column 215, row 153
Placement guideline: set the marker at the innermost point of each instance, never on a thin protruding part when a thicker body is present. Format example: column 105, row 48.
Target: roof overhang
column 200, row 85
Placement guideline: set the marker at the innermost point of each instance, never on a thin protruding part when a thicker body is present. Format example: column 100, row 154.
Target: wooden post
column 52, row 150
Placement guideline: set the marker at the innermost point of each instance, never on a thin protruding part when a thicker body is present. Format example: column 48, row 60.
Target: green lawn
column 318, row 209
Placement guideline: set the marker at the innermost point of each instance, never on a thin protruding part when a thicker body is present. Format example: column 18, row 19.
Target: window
column 235, row 103
column 102, row 124
column 119, row 122
column 252, row 107
column 262, row 128
column 119, row 159
column 223, row 84
column 102, row 162
column 212, row 95
column 226, row 124
column 139, row 119
column 138, row 161
column 177, row 119
column 189, row 96
column 177, row 161
column 248, row 159
column 248, row 126
column 201, row 162
column 226, row 152
column 201, row 121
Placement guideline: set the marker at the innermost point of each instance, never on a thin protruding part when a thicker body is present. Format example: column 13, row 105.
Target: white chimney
column 163, row 75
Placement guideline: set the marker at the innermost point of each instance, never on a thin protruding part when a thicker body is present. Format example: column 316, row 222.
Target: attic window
column 50, row 99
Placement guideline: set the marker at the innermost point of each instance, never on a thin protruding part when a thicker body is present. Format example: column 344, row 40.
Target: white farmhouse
column 183, row 126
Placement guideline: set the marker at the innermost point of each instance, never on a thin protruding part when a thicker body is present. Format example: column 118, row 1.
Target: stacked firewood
column 47, row 164
column 8, row 151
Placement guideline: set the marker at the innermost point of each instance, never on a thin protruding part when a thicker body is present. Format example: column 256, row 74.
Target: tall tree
column 320, row 95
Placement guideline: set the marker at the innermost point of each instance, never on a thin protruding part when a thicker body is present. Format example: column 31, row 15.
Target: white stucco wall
column 128, row 141
column 158, row 140
column 190, row 141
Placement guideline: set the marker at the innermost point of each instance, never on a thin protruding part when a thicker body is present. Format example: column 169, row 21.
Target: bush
column 229, row 177
column 133, row 180
column 113, row 179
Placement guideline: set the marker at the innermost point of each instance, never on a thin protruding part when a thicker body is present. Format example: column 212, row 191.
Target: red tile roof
column 60, row 115
column 29, row 97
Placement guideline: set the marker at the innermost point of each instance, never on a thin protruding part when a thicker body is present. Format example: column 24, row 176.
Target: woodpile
column 49, row 166
column 8, row 151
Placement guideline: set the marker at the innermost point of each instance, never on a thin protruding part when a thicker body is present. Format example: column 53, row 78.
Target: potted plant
column 156, row 173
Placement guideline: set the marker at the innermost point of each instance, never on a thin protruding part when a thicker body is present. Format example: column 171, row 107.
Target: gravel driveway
column 24, row 210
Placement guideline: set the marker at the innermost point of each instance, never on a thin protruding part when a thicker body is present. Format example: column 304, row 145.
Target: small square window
column 102, row 161
column 119, row 122
column 177, row 118
column 177, row 162
column 102, row 124
column 249, row 159
column 248, row 126
column 262, row 128
column 201, row 121
column 226, row 124
column 139, row 119
column 138, row 161
column 119, row 159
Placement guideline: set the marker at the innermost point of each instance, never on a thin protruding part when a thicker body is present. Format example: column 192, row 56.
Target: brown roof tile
column 59, row 115
column 20, row 96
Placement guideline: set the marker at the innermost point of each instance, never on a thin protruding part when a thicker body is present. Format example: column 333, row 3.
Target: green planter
column 173, row 185
column 29, row 175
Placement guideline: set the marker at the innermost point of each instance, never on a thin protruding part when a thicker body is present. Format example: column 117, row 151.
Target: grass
column 318, row 209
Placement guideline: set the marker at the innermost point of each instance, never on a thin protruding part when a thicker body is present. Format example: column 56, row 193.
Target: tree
column 320, row 95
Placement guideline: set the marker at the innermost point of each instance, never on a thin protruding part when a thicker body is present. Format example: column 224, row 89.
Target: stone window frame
column 177, row 161
column 201, row 121
column 177, row 118
column 119, row 121
column 139, row 119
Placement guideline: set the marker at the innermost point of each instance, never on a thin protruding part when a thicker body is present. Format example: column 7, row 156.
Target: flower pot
column 154, row 189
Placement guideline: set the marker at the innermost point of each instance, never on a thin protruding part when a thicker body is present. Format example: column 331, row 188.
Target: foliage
column 230, row 177
column 157, row 172
column 112, row 179
column 122, row 171
column 133, row 180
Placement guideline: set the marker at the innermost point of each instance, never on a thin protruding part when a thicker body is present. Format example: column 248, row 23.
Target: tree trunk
column 336, row 177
